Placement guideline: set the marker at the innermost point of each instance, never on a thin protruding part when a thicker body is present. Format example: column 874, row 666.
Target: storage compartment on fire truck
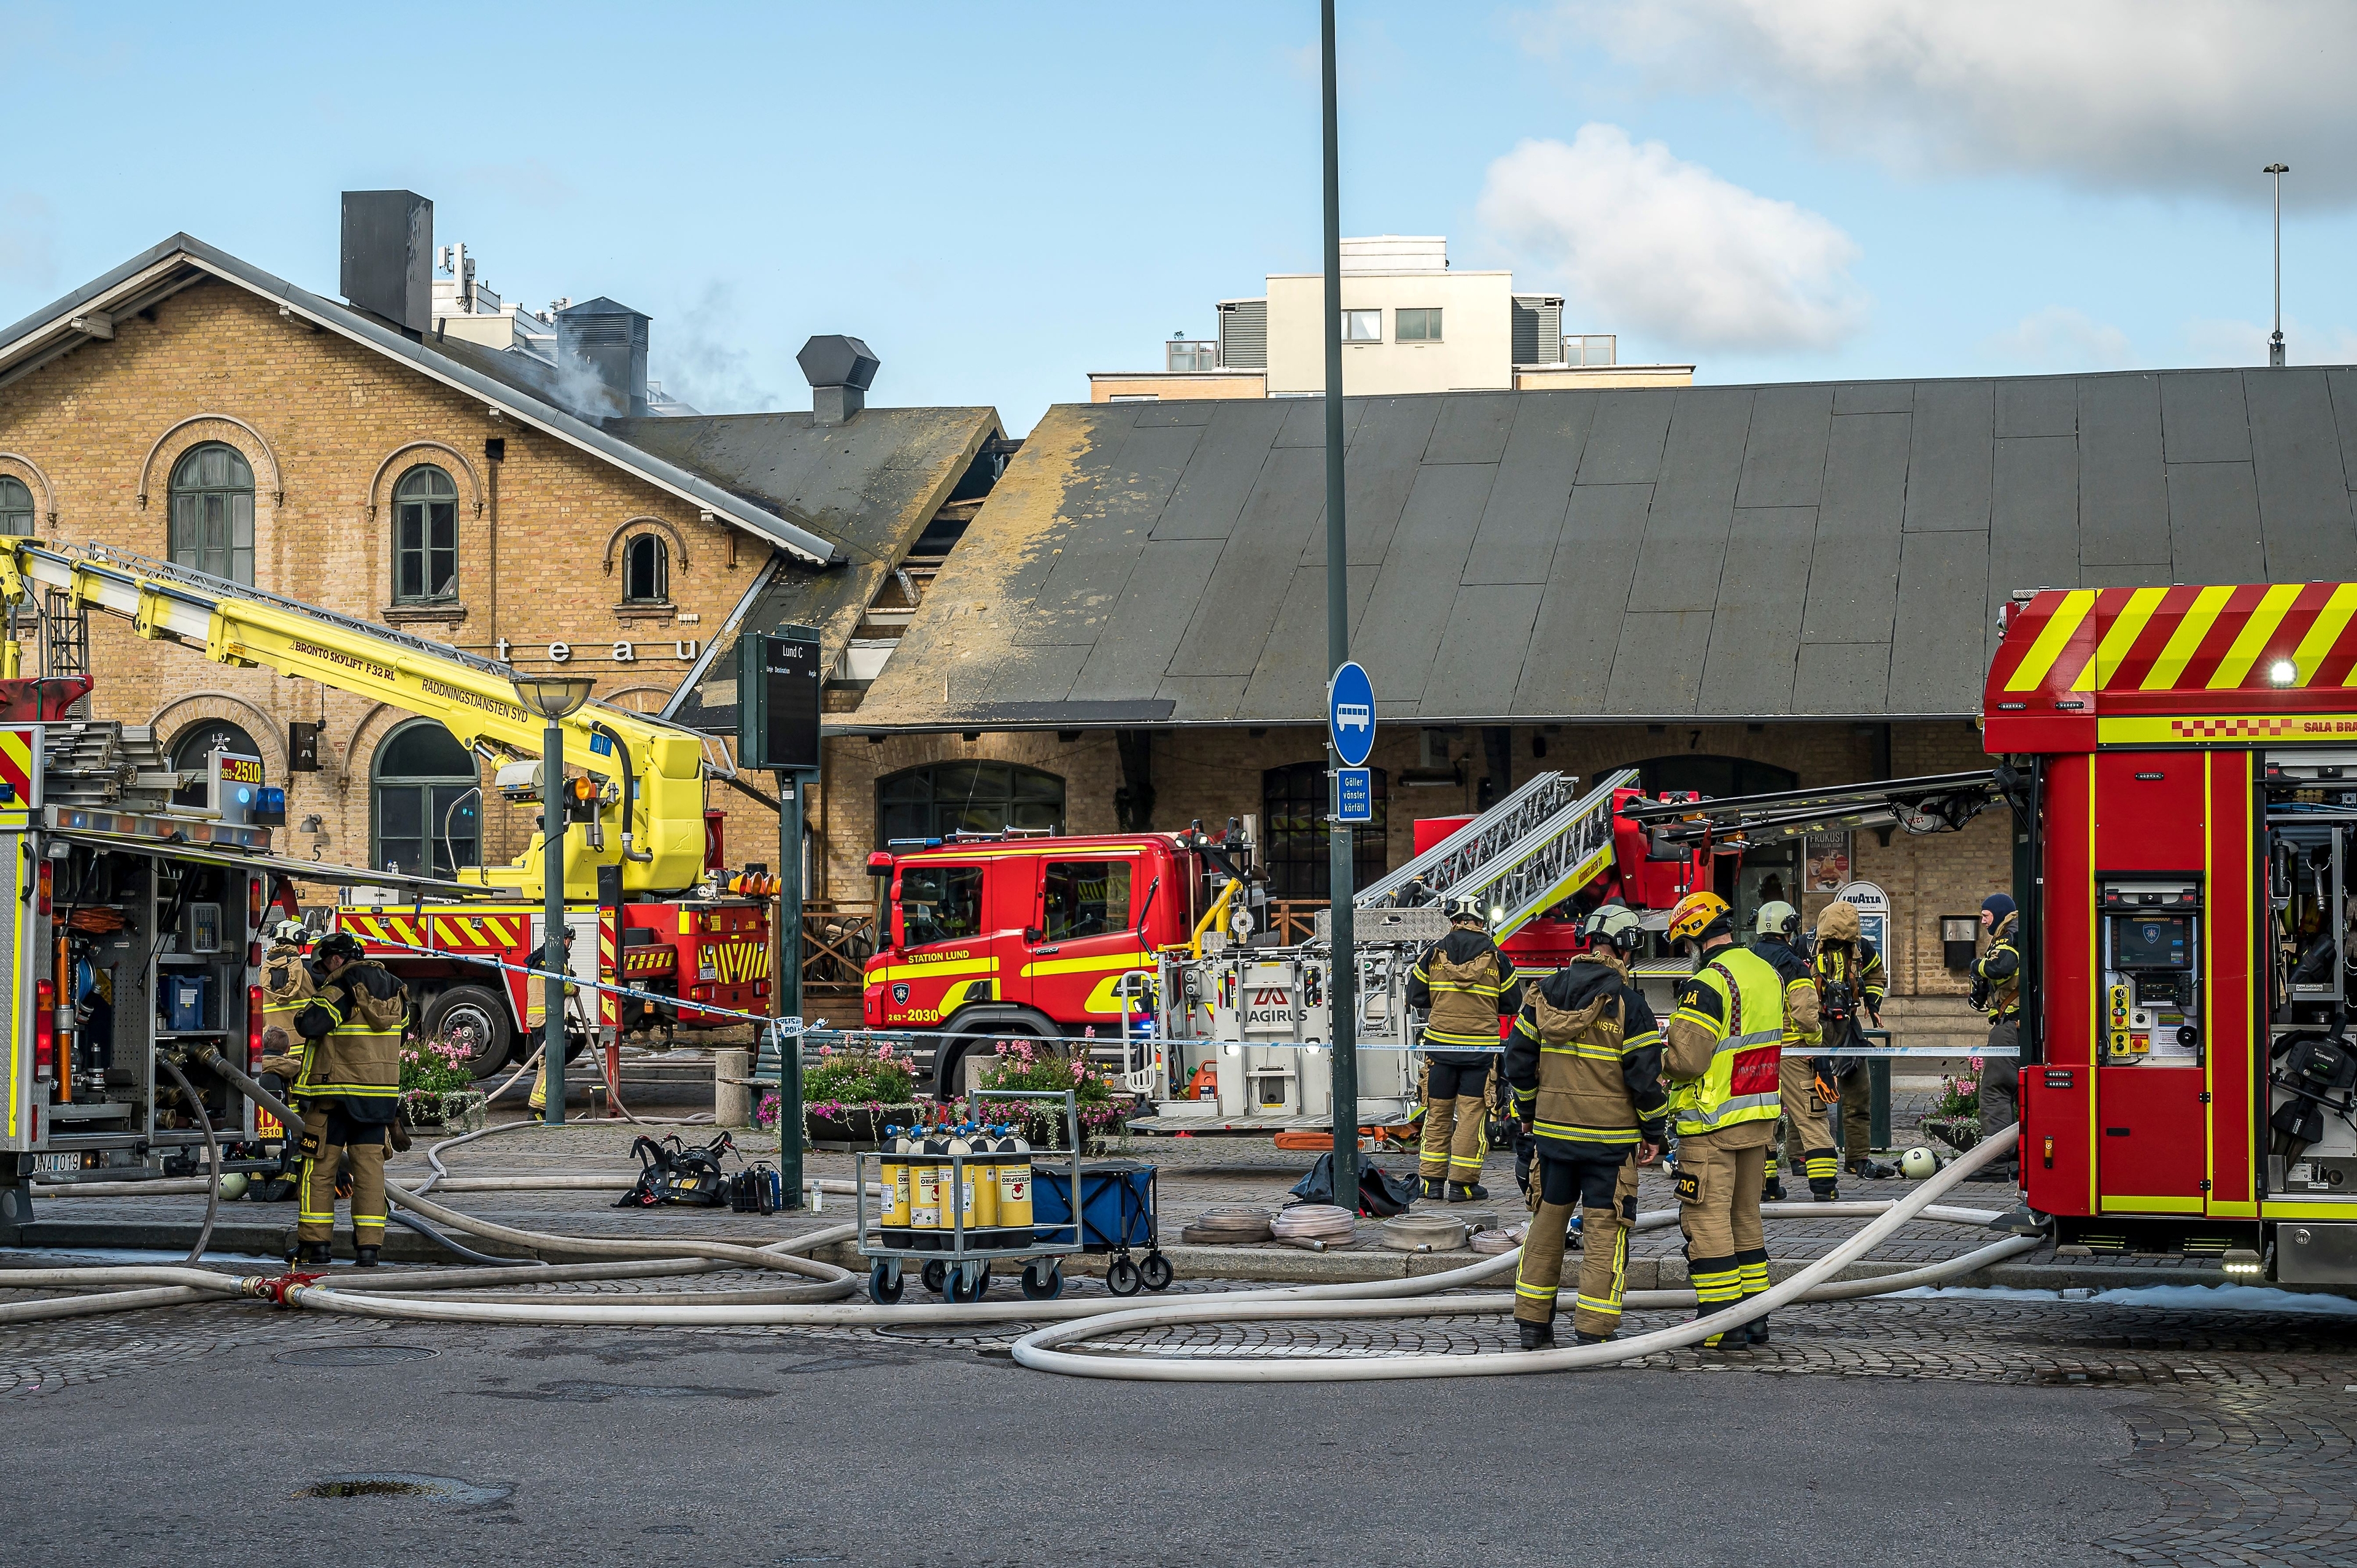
column 2311, row 1068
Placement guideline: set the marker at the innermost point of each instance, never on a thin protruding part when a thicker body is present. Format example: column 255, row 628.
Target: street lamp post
column 1342, row 838
column 552, row 697
column 2276, row 343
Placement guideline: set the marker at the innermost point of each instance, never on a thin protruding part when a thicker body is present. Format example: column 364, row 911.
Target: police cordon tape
column 779, row 1028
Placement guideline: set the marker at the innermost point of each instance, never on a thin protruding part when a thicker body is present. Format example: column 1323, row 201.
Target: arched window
column 195, row 746
column 1294, row 809
column 943, row 798
column 213, row 512
column 646, row 571
column 424, row 537
column 15, row 505
column 427, row 810
column 1767, row 873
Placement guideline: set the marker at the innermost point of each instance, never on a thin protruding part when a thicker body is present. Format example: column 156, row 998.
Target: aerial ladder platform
column 1522, row 857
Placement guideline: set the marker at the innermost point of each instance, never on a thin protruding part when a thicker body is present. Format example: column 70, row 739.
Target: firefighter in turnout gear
column 350, row 1086
column 1585, row 1062
column 1809, row 1145
column 287, row 985
column 1466, row 985
column 1720, row 1058
column 1996, row 991
column 1850, row 981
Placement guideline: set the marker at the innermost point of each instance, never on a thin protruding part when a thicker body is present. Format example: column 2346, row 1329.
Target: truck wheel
column 475, row 1019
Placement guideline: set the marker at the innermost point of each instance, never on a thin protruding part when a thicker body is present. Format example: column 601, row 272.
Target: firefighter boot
column 1467, row 1192
column 1866, row 1170
column 364, row 1257
column 1824, row 1190
column 1538, row 1336
column 1774, row 1191
column 312, row 1254
column 1435, row 1188
column 1756, row 1331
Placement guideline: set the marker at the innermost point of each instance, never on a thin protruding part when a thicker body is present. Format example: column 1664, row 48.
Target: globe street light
column 552, row 696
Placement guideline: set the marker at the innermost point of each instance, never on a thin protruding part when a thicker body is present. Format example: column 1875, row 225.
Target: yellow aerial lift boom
column 648, row 775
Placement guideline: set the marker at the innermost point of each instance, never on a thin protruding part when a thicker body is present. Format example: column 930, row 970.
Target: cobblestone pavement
column 2236, row 1427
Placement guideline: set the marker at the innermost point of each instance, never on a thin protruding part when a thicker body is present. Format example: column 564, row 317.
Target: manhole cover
column 399, row 1484
column 955, row 1334
column 354, row 1355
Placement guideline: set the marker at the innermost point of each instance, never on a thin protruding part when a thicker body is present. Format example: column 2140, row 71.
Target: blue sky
column 1002, row 199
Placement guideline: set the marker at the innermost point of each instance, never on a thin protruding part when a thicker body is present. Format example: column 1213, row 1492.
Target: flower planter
column 854, row 1126
column 451, row 1111
column 1958, row 1132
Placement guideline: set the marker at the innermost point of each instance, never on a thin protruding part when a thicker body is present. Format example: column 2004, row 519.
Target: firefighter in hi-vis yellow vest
column 1466, row 985
column 1584, row 1063
column 1723, row 1046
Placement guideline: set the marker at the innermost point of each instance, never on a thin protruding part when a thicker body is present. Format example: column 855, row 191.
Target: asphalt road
column 765, row 1448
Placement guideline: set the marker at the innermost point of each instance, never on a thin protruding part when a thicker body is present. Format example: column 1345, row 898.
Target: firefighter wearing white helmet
column 1724, row 1045
column 1465, row 985
column 1585, row 1062
column 1809, row 1145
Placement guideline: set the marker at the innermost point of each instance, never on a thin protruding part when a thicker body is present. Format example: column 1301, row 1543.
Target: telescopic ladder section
column 1524, row 856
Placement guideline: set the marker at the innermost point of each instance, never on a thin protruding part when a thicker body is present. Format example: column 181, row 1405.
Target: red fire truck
column 2185, row 761
column 1020, row 933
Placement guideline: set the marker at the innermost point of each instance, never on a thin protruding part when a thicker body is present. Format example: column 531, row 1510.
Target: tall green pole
column 552, row 958
column 789, row 985
column 1342, row 991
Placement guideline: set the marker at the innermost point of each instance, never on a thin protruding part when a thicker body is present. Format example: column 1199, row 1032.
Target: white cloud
column 1665, row 249
column 2165, row 96
column 2061, row 338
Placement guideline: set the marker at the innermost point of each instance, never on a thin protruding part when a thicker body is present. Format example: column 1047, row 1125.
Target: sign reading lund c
column 1351, row 715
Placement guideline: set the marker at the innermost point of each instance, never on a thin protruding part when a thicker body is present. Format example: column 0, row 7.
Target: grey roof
column 156, row 271
column 1814, row 551
column 872, row 485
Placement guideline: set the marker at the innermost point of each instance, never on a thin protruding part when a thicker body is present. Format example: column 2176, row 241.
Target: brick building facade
column 557, row 546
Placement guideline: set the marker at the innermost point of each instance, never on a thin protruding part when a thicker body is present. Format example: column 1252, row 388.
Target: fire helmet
column 1613, row 925
column 1464, row 908
column 1778, row 919
column 1695, row 914
column 1917, row 1164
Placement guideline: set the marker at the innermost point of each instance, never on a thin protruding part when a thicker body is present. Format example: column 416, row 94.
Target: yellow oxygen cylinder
column 983, row 1165
column 894, row 1168
column 927, row 1173
column 1015, row 1189
column 957, row 1188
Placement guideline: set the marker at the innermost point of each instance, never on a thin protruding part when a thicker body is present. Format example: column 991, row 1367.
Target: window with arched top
column 943, row 798
column 646, row 571
column 426, row 810
column 424, row 537
column 212, row 512
column 15, row 505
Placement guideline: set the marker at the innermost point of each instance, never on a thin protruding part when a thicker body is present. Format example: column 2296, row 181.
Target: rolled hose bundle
column 1423, row 1233
column 1313, row 1222
column 1229, row 1225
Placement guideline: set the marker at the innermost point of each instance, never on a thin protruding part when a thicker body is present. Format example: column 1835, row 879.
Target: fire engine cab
column 1024, row 933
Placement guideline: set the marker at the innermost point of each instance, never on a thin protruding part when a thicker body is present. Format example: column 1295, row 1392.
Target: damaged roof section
column 1817, row 551
column 873, row 485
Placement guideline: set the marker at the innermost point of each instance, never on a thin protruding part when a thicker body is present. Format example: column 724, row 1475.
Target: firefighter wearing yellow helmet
column 1721, row 1059
column 1811, row 1145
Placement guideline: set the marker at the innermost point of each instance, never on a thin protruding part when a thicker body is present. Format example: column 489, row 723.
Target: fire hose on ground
column 453, row 1296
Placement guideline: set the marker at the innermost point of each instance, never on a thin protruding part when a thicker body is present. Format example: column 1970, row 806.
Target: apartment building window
column 943, row 798
column 426, row 801
column 213, row 512
column 16, row 506
column 1298, row 847
column 1362, row 327
column 1417, row 326
column 1192, row 354
column 424, row 537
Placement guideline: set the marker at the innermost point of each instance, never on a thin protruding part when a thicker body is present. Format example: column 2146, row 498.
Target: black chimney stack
column 840, row 369
column 610, row 339
column 388, row 257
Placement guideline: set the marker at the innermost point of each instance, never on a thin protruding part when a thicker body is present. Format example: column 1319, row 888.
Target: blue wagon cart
column 1118, row 1212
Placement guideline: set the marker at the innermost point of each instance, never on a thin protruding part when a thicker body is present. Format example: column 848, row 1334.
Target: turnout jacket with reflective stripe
column 2000, row 970
column 1467, row 985
column 288, row 987
column 1584, row 1063
column 1801, row 994
column 352, row 1030
column 1726, row 1043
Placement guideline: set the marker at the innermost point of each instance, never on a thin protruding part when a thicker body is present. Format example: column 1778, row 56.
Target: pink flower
column 826, row 1050
column 883, row 1053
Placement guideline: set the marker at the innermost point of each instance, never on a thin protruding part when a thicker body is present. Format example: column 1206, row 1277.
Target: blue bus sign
column 1351, row 715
